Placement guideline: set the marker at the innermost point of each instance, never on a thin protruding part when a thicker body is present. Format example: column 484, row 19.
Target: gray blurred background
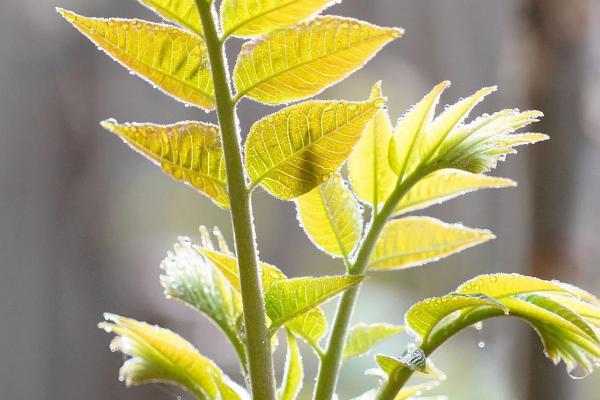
column 84, row 222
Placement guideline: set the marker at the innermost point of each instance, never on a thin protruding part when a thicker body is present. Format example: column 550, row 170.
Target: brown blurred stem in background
column 555, row 47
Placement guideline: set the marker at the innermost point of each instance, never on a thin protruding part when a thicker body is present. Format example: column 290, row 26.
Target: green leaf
column 368, row 169
column 247, row 18
column 299, row 62
column 190, row 278
column 287, row 299
column 294, row 150
column 310, row 326
column 331, row 218
column 414, row 241
column 447, row 142
column 362, row 338
column 159, row 355
column 552, row 308
column 173, row 60
column 188, row 151
column 182, row 12
column 293, row 373
column 424, row 316
column 447, row 184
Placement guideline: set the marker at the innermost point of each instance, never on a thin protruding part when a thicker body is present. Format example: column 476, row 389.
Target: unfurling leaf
column 182, row 12
column 301, row 61
column 159, row 355
column 310, row 326
column 171, row 59
column 371, row 177
column 447, row 142
column 414, row 241
column 188, row 151
column 447, row 184
column 331, row 218
column 294, row 150
column 293, row 373
column 550, row 307
column 362, row 338
column 287, row 299
column 247, row 18
column 190, row 278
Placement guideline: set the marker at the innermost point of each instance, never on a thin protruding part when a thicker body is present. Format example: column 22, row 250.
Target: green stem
column 396, row 381
column 331, row 362
column 260, row 363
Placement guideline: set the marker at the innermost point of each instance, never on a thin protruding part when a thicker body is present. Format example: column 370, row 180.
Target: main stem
column 331, row 362
column 260, row 364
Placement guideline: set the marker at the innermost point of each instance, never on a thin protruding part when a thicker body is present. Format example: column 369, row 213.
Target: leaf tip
column 397, row 32
column 109, row 124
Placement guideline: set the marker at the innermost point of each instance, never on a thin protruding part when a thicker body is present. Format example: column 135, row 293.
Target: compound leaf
column 368, row 168
column 301, row 61
column 169, row 58
column 158, row 354
column 414, row 241
column 294, row 150
column 362, row 338
column 287, row 299
column 247, row 18
column 446, row 184
column 550, row 307
column 331, row 218
column 188, row 151
column 293, row 373
column 182, row 12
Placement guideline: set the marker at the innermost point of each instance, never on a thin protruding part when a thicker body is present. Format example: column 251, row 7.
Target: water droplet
column 481, row 344
column 478, row 326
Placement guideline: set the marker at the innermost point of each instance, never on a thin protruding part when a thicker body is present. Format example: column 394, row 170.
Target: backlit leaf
column 188, row 151
column 310, row 326
column 552, row 308
column 362, row 338
column 301, row 61
column 159, row 355
column 414, row 241
column 247, row 18
column 287, row 299
column 293, row 373
column 448, row 142
column 182, row 12
column 190, row 278
column 331, row 218
column 368, row 167
column 294, row 150
column 447, row 184
column 169, row 58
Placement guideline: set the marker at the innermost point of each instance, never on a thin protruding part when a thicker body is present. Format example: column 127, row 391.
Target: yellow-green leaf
column 301, row 61
column 331, row 217
column 552, row 308
column 447, row 184
column 158, row 354
column 294, row 150
column 311, row 326
column 188, row 277
column 293, row 373
column 247, row 18
column 188, row 151
column 362, row 338
column 171, row 59
column 182, row 12
column 415, row 241
column 368, row 167
column 410, row 129
column 287, row 299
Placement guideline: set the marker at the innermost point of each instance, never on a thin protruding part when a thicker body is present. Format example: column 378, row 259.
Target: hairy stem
column 397, row 380
column 331, row 362
column 260, row 364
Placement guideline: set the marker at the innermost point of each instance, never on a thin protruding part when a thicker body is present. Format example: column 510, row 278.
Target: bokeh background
column 85, row 222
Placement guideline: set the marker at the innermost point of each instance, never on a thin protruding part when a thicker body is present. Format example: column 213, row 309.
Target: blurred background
column 85, row 222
